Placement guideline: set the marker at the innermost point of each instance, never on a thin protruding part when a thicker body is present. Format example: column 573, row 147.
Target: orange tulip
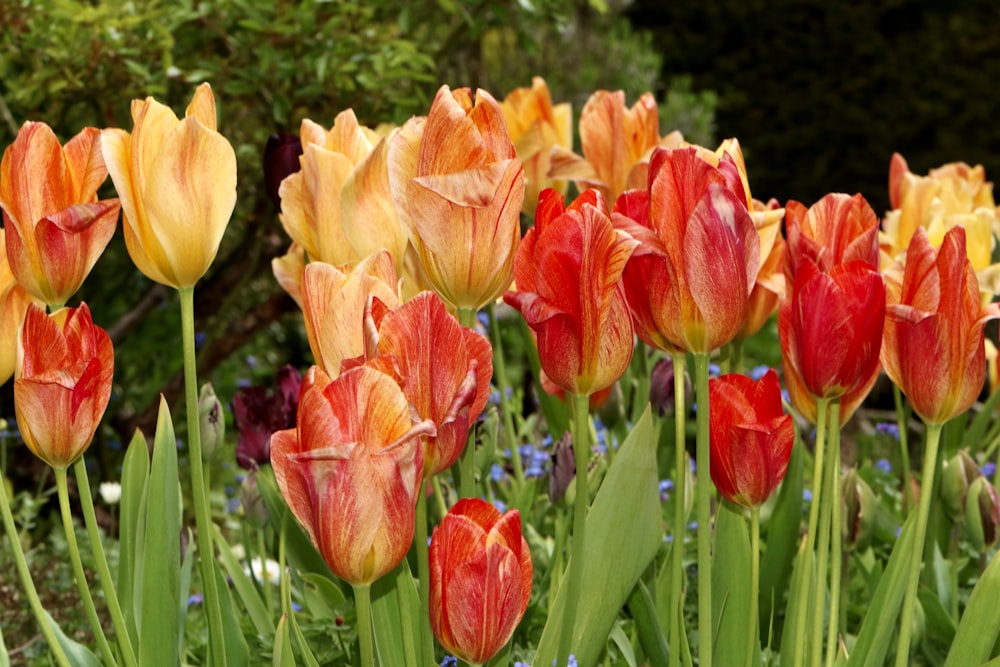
column 443, row 368
column 835, row 230
column 767, row 291
column 536, row 127
column 480, row 585
column 54, row 225
column 177, row 183
column 351, row 469
column 62, row 382
column 933, row 345
column 14, row 302
column 458, row 187
column 568, row 274
column 689, row 281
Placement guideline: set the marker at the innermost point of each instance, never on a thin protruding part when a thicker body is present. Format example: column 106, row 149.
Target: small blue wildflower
column 483, row 318
column 899, row 530
column 526, row 451
column 757, row 372
column 668, row 538
column 569, row 663
column 666, row 486
column 449, row 661
column 500, row 505
column 233, row 505
column 693, row 525
column 243, row 382
column 194, row 598
column 694, row 466
column 988, row 469
column 521, row 664
column 251, row 361
column 199, row 339
column 888, row 428
column 496, row 472
column 807, row 495
column 296, row 606
column 884, row 466
column 785, row 397
column 714, row 370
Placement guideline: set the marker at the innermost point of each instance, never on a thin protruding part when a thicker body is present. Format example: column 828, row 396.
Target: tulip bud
column 211, row 422
column 859, row 511
column 982, row 513
column 252, row 501
column 563, row 468
column 661, row 387
column 281, row 158
column 612, row 409
column 957, row 473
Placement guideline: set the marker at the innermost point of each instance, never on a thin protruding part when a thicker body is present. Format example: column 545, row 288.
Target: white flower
column 111, row 492
column 265, row 570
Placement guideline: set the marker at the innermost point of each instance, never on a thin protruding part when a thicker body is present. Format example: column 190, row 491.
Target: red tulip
column 831, row 329
column 480, row 585
column 568, row 276
column 351, row 470
column 933, row 346
column 62, row 382
column 689, row 281
column 835, row 230
column 751, row 438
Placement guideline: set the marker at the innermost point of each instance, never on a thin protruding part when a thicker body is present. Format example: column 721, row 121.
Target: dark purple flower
column 259, row 411
column 281, row 158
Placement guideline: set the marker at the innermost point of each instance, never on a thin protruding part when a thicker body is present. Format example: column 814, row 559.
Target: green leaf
column 323, row 598
column 783, row 536
column 977, row 631
column 237, row 652
column 160, row 584
column 4, row 655
column 798, row 602
column 78, row 654
column 623, row 536
column 620, row 640
column 131, row 529
column 388, row 617
column 731, row 586
column 283, row 655
column 259, row 614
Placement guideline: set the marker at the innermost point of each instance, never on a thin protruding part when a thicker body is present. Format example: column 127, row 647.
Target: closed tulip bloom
column 54, row 226
column 689, row 281
column 177, row 184
column 831, row 328
column 933, row 346
column 480, row 585
column 751, row 438
column 568, row 275
column 14, row 302
column 458, row 187
column 837, row 229
column 62, row 382
column 351, row 469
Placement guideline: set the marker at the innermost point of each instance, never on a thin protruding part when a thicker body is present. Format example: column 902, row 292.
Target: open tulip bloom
column 429, row 469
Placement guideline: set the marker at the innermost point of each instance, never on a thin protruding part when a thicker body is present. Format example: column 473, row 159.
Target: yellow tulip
column 177, row 183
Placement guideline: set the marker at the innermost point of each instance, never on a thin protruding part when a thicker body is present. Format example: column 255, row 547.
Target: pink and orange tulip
column 458, row 188
column 689, row 281
column 14, row 302
column 751, row 437
column 933, row 345
column 351, row 469
column 62, row 382
column 55, row 228
column 568, row 274
column 480, row 579
column 837, row 229
column 177, row 184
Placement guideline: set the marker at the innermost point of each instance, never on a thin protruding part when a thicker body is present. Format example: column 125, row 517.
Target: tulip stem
column 363, row 607
column 424, row 575
column 836, row 552
column 467, row 460
column 823, row 546
column 703, row 484
column 81, row 578
column 923, row 510
column 817, row 478
column 25, row 574
column 904, row 448
column 502, row 380
column 581, row 505
column 754, row 583
column 680, row 493
column 199, row 488
column 103, row 571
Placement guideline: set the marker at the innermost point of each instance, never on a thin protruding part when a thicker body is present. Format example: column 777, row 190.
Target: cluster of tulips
column 400, row 237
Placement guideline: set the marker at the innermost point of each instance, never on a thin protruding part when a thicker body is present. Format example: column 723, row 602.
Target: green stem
column 680, row 492
column 502, row 382
column 927, row 488
column 754, row 583
column 836, row 551
column 199, row 488
column 103, row 571
column 823, row 548
column 904, row 449
column 81, row 578
column 736, row 356
column 265, row 585
column 406, row 624
column 581, row 453
column 29, row 585
column 363, row 606
column 703, row 484
column 424, row 575
column 467, row 461
column 817, row 478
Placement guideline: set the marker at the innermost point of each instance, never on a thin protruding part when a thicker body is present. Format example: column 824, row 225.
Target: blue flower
column 449, row 661
column 988, row 469
column 807, row 495
column 757, row 372
column 500, row 505
column 888, row 428
column 884, row 466
column 194, row 598
column 496, row 472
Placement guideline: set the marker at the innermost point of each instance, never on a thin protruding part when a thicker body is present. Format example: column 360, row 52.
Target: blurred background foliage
column 74, row 63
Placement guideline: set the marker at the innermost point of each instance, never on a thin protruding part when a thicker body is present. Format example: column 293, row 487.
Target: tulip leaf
column 731, row 586
column 975, row 432
column 798, row 603
column 282, row 654
column 621, row 640
column 4, row 655
column 977, row 631
column 879, row 625
column 77, row 654
column 237, row 652
column 394, row 602
column 323, row 598
column 623, row 536
column 131, row 528
column 160, row 583
column 252, row 602
column 307, row 654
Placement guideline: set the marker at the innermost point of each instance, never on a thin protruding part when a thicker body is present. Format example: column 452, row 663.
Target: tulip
column 62, row 382
column 458, row 187
column 957, row 473
column 177, row 183
column 351, row 469
column 259, row 411
column 14, row 302
column 536, row 127
column 480, row 581
column 767, row 292
column 281, row 159
column 288, row 270
column 751, row 438
column 444, row 370
column 933, row 345
column 831, row 328
column 835, row 230
column 55, row 227
column 568, row 275
column 689, row 281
